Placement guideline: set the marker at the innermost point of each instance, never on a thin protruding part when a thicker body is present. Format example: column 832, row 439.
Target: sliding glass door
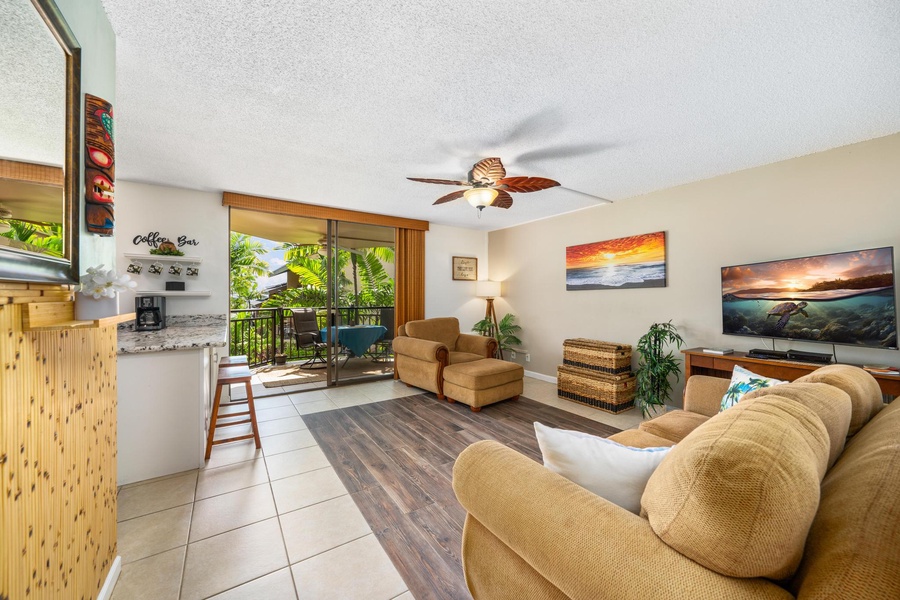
column 361, row 300
column 312, row 300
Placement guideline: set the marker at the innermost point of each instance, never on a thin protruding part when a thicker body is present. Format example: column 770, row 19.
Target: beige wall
column 445, row 297
column 838, row 200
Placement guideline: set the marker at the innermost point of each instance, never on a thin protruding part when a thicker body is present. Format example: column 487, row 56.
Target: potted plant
column 505, row 334
column 655, row 366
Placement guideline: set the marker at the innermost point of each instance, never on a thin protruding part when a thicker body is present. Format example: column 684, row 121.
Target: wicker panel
column 57, row 453
column 610, row 393
column 603, row 357
column 31, row 173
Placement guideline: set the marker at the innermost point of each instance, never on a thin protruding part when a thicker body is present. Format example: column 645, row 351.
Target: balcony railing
column 261, row 333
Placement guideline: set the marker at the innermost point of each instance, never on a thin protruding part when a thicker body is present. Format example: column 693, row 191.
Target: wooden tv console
column 698, row 362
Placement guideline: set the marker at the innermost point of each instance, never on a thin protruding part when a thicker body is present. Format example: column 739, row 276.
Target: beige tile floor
column 270, row 524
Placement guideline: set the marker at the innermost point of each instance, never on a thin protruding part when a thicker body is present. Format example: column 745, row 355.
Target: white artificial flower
column 99, row 283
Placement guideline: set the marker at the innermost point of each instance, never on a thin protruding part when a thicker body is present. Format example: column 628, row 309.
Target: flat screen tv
column 841, row 298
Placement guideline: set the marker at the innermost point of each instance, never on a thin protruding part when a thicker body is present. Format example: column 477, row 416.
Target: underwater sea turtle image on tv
column 841, row 298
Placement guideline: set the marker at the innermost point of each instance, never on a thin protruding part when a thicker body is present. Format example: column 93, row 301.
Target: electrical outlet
column 512, row 354
column 527, row 357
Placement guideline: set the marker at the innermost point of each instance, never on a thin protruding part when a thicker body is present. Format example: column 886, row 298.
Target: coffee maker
column 149, row 313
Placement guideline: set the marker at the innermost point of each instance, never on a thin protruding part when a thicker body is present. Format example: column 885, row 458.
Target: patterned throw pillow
column 743, row 381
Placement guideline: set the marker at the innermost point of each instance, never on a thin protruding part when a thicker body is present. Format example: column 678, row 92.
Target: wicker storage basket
column 603, row 357
column 612, row 393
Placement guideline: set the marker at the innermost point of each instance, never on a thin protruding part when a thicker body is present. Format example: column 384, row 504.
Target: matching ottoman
column 482, row 382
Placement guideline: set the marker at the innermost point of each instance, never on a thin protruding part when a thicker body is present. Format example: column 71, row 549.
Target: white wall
column 143, row 208
column 443, row 296
column 88, row 22
column 839, row 200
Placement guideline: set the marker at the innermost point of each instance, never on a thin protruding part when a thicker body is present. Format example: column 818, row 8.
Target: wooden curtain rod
column 299, row 209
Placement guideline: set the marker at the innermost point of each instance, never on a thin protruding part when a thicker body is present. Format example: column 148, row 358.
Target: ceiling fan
column 489, row 186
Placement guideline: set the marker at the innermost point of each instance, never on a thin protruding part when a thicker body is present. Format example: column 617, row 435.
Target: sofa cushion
column 828, row 402
column 863, row 389
column 703, row 394
column 606, row 468
column 853, row 550
column 738, row 495
column 744, row 381
column 640, row 439
column 441, row 329
column 462, row 357
column 674, row 425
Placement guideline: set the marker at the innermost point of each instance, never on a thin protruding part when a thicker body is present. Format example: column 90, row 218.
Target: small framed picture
column 465, row 268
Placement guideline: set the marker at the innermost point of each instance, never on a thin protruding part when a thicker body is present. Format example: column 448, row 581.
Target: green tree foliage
column 246, row 266
column 45, row 237
column 363, row 280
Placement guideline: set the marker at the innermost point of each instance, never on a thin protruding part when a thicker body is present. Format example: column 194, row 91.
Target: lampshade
column 480, row 197
column 487, row 289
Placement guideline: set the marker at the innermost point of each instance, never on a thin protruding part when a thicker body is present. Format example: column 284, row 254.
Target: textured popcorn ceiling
column 337, row 102
column 32, row 87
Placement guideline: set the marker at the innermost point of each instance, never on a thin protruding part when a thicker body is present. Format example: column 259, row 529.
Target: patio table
column 356, row 338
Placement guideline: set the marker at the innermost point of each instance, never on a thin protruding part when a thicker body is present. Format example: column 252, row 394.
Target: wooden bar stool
column 228, row 376
column 234, row 361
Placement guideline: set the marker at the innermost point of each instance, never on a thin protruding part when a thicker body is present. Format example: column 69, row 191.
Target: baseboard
column 540, row 376
column 111, row 578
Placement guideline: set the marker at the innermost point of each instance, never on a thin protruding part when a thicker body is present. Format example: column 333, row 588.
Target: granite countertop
column 182, row 332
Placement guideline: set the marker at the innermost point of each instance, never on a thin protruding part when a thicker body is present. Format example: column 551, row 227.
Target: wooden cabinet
column 698, row 362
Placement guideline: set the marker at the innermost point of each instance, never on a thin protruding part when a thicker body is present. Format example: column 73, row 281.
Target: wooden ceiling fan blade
column 488, row 170
column 503, row 200
column 450, row 197
column 438, row 181
column 526, row 184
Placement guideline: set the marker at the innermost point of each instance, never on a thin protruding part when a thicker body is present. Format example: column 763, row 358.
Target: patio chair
column 383, row 351
column 307, row 335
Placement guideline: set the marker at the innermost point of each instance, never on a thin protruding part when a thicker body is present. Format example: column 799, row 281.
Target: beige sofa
column 423, row 348
column 793, row 492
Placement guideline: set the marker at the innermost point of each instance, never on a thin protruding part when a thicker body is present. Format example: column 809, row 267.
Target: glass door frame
column 334, row 318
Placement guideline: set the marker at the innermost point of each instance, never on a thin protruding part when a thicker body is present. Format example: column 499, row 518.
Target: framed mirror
column 40, row 127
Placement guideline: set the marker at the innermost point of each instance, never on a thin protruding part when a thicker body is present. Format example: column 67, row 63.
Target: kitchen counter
column 164, row 382
column 183, row 332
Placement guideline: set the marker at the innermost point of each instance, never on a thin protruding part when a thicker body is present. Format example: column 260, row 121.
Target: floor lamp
column 490, row 290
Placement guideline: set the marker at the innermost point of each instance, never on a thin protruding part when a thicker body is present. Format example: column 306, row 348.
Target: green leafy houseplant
column 166, row 252
column 506, row 336
column 652, row 386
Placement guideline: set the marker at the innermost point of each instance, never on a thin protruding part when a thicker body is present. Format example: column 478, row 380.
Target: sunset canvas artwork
column 638, row 261
column 842, row 298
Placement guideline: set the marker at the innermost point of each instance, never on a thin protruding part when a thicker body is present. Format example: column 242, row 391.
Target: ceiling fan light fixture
column 480, row 197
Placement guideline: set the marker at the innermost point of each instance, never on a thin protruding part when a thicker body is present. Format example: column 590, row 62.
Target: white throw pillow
column 609, row 469
column 742, row 382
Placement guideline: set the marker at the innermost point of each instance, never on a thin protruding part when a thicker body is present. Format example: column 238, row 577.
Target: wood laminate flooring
column 396, row 459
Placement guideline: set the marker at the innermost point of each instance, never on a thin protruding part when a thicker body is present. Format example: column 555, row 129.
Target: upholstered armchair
column 423, row 348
